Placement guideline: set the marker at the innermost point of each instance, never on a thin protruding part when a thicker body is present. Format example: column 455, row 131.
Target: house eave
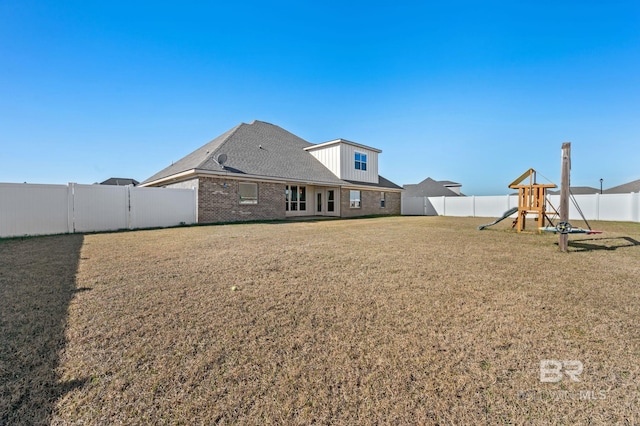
column 195, row 173
column 341, row 141
column 169, row 179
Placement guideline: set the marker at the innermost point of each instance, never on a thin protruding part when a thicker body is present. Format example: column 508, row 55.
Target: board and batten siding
column 339, row 157
column 329, row 157
column 349, row 171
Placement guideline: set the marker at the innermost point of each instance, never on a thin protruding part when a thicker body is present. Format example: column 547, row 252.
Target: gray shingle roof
column 195, row 159
column 578, row 190
column 120, row 181
column 259, row 149
column 382, row 183
column 428, row 188
column 449, row 183
column 625, row 188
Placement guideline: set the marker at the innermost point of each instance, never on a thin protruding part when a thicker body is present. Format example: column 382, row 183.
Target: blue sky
column 469, row 91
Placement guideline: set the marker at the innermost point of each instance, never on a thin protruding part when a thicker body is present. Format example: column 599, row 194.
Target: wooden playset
column 533, row 201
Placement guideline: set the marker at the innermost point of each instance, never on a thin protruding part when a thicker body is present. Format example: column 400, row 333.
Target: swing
column 566, row 228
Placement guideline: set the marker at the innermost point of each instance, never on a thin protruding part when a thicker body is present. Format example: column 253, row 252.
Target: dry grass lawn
column 402, row 320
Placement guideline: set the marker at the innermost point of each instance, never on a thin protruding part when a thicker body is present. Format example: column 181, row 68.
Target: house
column 433, row 188
column 454, row 186
column 120, row 182
column 578, row 190
column 259, row 171
column 626, row 188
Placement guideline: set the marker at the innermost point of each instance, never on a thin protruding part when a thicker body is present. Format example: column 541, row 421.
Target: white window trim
column 366, row 156
column 248, row 200
column 301, row 190
column 358, row 202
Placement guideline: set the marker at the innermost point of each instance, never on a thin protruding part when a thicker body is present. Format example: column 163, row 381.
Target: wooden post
column 563, row 242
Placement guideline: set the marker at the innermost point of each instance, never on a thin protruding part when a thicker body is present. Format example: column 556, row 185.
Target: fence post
column 473, row 206
column 71, row 223
column 444, row 205
column 195, row 204
column 597, row 206
column 129, row 219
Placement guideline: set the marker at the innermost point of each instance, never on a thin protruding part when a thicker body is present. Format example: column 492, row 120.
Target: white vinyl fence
column 32, row 209
column 619, row 207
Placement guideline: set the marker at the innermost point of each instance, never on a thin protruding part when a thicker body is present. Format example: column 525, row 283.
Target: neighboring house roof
column 260, row 150
column 430, row 188
column 120, row 182
column 626, row 188
column 578, row 190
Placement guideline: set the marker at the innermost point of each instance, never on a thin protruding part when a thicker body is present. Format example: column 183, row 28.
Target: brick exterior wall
column 188, row 184
column 393, row 203
column 370, row 203
column 220, row 203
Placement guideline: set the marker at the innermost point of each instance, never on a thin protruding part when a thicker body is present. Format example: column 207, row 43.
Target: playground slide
column 500, row 219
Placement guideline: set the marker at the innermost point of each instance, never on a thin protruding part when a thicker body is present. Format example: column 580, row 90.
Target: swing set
column 533, row 201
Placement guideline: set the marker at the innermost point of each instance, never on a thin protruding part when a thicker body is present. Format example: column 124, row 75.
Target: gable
column 348, row 160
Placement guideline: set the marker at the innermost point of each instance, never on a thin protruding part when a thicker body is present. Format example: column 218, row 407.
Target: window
column 382, row 200
column 248, row 193
column 287, row 198
column 361, row 161
column 331, row 200
column 354, row 199
column 295, row 198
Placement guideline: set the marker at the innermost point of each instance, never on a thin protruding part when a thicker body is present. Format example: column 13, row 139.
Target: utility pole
column 563, row 242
